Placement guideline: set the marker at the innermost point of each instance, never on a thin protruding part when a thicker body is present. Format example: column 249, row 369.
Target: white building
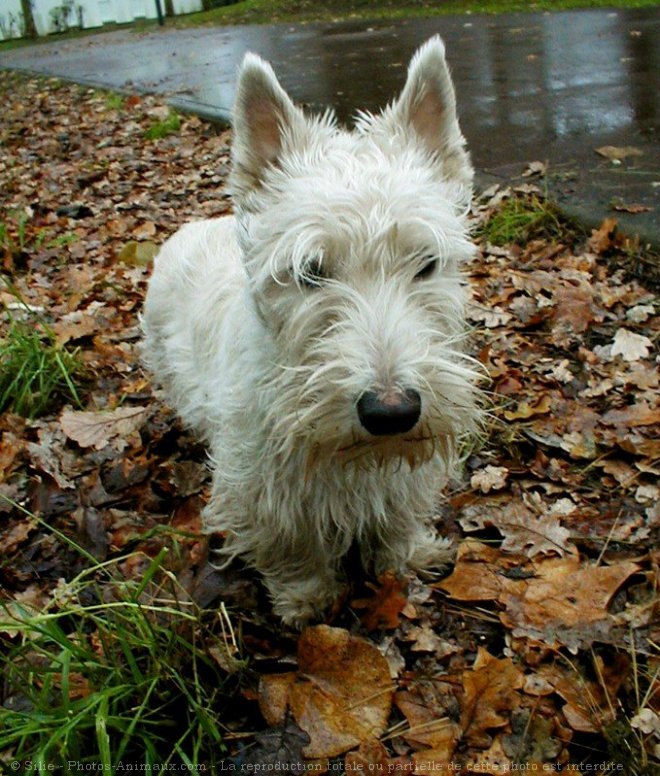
column 56, row 15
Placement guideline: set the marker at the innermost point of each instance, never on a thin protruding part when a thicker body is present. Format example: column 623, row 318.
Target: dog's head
column 352, row 242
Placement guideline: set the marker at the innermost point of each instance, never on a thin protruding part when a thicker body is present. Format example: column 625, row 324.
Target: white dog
column 314, row 338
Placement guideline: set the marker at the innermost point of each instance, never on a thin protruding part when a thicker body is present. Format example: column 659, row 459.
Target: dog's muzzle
column 394, row 413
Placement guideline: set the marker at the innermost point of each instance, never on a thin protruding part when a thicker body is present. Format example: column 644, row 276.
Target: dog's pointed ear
column 264, row 117
column 427, row 105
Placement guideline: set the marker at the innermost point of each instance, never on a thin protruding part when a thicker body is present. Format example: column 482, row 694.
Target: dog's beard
column 416, row 448
column 323, row 431
column 362, row 453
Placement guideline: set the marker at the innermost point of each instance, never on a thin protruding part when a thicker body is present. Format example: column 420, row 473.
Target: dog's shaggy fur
column 314, row 339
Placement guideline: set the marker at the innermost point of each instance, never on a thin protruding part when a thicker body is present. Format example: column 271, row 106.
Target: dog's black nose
column 394, row 413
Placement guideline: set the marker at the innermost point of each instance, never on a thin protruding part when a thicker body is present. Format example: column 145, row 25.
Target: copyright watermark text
column 79, row 766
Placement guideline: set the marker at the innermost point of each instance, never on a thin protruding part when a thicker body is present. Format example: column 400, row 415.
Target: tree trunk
column 29, row 26
column 169, row 7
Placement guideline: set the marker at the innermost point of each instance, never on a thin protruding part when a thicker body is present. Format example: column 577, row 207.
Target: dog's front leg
column 301, row 579
column 404, row 542
column 299, row 598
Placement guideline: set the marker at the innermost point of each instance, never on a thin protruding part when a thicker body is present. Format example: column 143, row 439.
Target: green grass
column 19, row 237
column 114, row 669
column 167, row 126
column 14, row 43
column 265, row 11
column 36, row 374
column 520, row 219
column 114, row 101
column 13, row 238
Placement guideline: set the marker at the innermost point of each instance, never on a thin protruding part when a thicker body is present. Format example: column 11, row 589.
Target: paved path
column 530, row 87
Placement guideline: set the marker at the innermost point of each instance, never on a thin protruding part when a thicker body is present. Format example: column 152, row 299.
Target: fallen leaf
column 574, row 305
column 604, row 238
column 618, row 152
column 34, row 599
column 640, row 313
column 622, row 207
column 144, row 230
column 278, row 749
column 424, row 638
column 562, row 373
column 490, row 695
column 622, row 472
column 480, row 572
column 533, row 535
column 566, row 602
column 579, row 445
column 490, row 478
column 138, row 254
column 389, row 649
column 523, row 531
column 586, row 708
column 383, row 609
column 427, row 708
column 493, row 760
column 189, row 477
column 535, row 168
column 274, row 692
column 69, row 330
column 11, row 448
column 45, row 457
column 340, row 696
column 552, row 600
column 647, row 494
column 529, row 409
column 77, row 684
column 18, row 532
column 630, row 346
column 97, row 429
column 371, row 757
column 647, row 721
column 159, row 112
column 492, row 317
column 635, row 415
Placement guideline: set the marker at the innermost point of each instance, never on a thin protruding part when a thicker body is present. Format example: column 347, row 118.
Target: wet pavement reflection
column 530, row 86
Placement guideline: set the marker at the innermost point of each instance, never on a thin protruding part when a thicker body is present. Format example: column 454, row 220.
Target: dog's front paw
column 432, row 552
column 424, row 551
column 305, row 601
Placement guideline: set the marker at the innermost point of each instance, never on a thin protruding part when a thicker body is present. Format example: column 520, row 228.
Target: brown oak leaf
column 427, row 707
column 490, row 696
column 382, row 610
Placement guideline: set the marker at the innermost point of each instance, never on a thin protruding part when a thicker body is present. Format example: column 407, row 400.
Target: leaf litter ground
column 538, row 651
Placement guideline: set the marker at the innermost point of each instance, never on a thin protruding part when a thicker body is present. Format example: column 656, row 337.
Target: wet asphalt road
column 549, row 87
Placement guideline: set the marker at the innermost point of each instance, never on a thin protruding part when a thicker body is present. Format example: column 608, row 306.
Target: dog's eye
column 428, row 268
column 312, row 275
